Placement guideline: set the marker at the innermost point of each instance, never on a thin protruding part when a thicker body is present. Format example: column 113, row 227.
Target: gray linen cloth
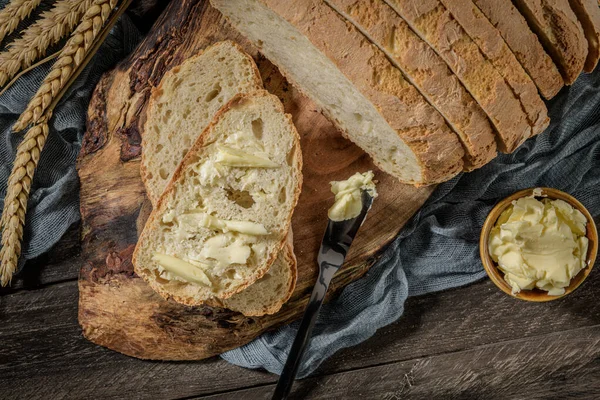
column 54, row 201
column 438, row 249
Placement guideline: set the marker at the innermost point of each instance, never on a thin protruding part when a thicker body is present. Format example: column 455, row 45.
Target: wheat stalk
column 13, row 13
column 17, row 194
column 52, row 26
column 71, row 56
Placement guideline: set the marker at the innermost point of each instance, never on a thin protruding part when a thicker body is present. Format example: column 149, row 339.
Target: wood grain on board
column 116, row 308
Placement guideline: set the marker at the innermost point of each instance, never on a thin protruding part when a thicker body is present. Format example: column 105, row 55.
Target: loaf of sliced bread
column 524, row 44
column 353, row 84
column 224, row 216
column 494, row 48
column 185, row 102
column 559, row 31
column 434, row 23
column 588, row 14
column 427, row 72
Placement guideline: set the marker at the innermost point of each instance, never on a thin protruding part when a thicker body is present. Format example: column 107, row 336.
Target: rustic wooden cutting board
column 116, row 308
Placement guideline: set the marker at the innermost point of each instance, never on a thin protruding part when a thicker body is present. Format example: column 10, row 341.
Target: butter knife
column 334, row 248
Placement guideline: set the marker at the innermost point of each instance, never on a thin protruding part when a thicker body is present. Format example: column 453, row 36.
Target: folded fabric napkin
column 438, row 249
column 54, row 200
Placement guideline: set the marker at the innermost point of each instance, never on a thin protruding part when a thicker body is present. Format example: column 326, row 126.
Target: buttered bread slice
column 226, row 213
column 185, row 102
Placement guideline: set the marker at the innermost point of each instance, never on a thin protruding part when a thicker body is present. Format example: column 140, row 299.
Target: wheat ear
column 69, row 59
column 52, row 26
column 13, row 13
column 17, row 194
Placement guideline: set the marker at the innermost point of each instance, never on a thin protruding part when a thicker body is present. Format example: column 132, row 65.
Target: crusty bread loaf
column 427, row 72
column 495, row 49
column 354, row 85
column 434, row 23
column 560, row 32
column 268, row 294
column 185, row 102
column 524, row 44
column 225, row 214
column 588, row 14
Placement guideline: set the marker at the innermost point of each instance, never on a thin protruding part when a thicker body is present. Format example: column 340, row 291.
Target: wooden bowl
column 497, row 276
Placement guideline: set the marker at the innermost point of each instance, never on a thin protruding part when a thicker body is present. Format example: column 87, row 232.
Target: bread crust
column 588, row 14
column 157, row 92
column 559, row 31
column 427, row 72
column 495, row 49
column 197, row 146
column 524, row 44
column 433, row 22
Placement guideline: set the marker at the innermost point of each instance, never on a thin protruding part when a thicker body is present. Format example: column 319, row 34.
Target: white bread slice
column 196, row 219
column 427, row 72
column 265, row 296
column 560, row 32
column 495, row 49
column 353, row 84
column 588, row 14
column 185, row 102
column 268, row 294
column 524, row 44
column 433, row 22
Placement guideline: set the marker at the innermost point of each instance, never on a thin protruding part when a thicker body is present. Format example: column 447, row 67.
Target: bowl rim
column 494, row 273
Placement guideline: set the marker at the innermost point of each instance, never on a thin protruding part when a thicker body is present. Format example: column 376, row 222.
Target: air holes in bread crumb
column 163, row 173
column 289, row 158
column 240, row 197
column 186, row 112
column 282, row 195
column 213, row 93
column 166, row 117
column 159, row 147
column 257, row 128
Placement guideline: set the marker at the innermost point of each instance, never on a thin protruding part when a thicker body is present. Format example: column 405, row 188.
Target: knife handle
column 294, row 359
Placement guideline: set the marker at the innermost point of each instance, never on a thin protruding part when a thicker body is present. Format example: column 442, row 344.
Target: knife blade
column 335, row 245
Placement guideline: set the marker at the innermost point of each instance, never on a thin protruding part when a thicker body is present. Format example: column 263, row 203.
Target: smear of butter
column 193, row 219
column 238, row 158
column 348, row 199
column 225, row 250
column 539, row 244
column 182, row 269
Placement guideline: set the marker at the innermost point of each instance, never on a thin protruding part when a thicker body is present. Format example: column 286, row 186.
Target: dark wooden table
column 473, row 342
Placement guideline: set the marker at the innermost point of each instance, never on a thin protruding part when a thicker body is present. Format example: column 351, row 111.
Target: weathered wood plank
column 552, row 366
column 59, row 264
column 43, row 350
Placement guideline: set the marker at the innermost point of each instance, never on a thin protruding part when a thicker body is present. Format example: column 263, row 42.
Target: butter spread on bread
column 231, row 220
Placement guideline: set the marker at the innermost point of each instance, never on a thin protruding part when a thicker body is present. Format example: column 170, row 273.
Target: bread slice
column 427, row 72
column 226, row 213
column 524, row 44
column 185, row 102
column 354, row 85
column 268, row 294
column 494, row 48
column 559, row 31
column 588, row 14
column 434, row 24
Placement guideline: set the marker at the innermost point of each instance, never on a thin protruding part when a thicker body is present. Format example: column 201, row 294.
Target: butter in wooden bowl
column 535, row 242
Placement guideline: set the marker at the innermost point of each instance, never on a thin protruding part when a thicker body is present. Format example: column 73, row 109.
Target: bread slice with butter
column 185, row 102
column 226, row 213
